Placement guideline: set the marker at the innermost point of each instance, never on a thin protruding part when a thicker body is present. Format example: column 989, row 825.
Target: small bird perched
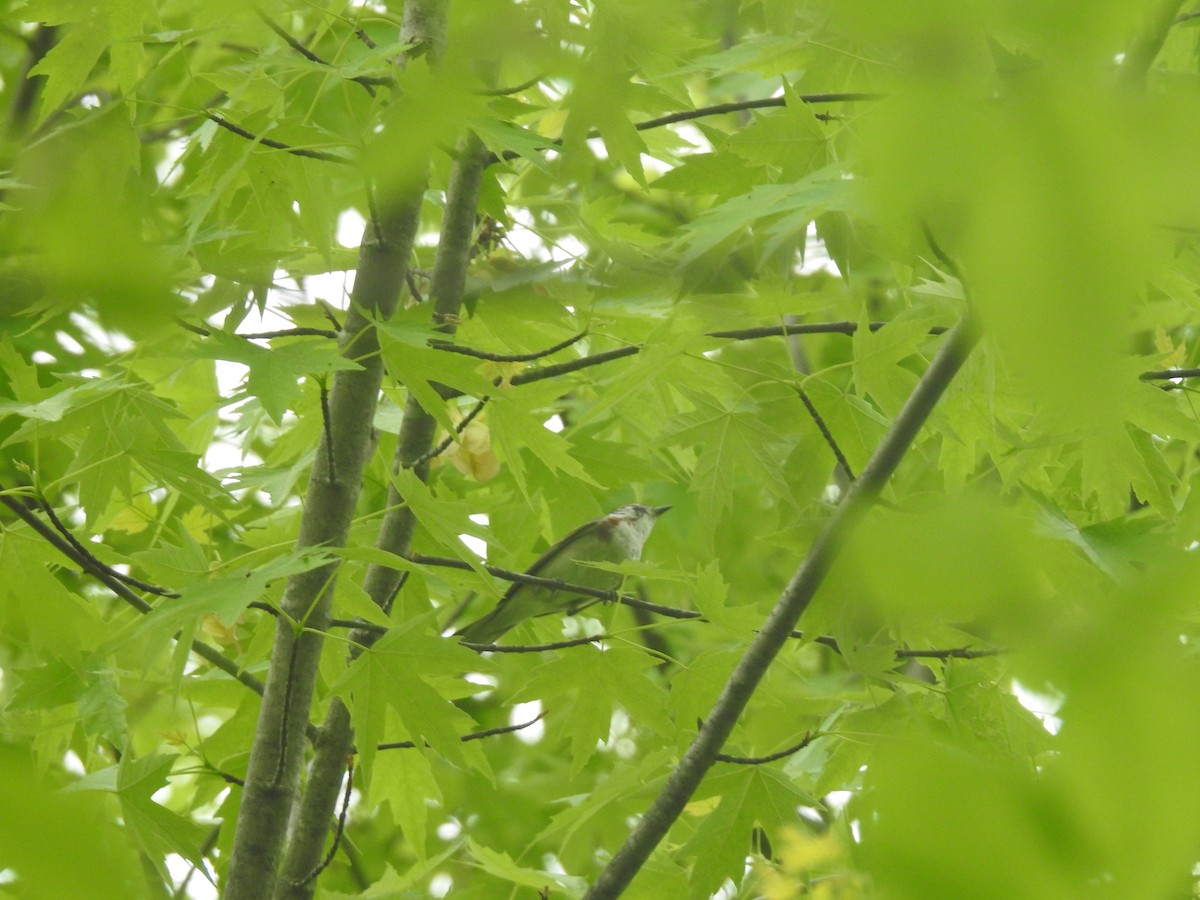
column 613, row 538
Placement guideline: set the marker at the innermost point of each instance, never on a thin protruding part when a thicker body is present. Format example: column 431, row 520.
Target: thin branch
column 515, row 89
column 367, row 82
column 782, row 620
column 943, row 257
column 772, row 757
column 1158, row 374
column 473, row 736
column 718, row 109
column 265, row 335
column 764, row 331
column 534, row 648
column 341, row 827
column 330, row 460
column 554, row 584
column 291, row 41
column 444, row 445
column 95, row 563
column 507, row 357
column 290, row 332
column 736, row 334
column 574, row 365
column 275, row 145
column 825, row 432
column 951, row 653
column 411, row 280
column 328, row 312
column 714, row 110
column 204, row 651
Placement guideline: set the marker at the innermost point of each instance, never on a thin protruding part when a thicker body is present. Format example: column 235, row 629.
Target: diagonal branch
column 777, row 628
column 368, row 83
column 59, row 543
column 274, row 145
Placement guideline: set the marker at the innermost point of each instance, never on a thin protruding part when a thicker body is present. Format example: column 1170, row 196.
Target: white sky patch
column 1044, row 706
column 68, row 343
column 440, row 884
column 198, row 887
column 522, row 713
column 693, row 136
column 816, row 256
column 41, row 356
column 654, row 166
column 72, row 763
column 350, row 226
column 533, row 245
column 167, row 170
column 487, row 681
column 478, row 546
column 111, row 341
column 554, row 423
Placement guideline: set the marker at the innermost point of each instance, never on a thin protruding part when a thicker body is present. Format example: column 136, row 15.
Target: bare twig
column 555, row 584
column 290, row 332
column 473, row 736
column 274, row 145
column 718, row 109
column 825, row 432
column 341, row 827
column 714, row 110
column 210, row 654
column 574, row 365
column 95, row 563
column 735, row 334
column 507, row 357
column 515, row 89
column 265, row 335
column 951, row 653
column 535, row 648
column 1159, row 374
column 328, row 427
column 764, row 331
column 771, row 757
column 368, row 83
column 445, row 443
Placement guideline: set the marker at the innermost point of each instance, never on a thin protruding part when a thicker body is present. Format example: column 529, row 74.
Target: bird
column 613, row 538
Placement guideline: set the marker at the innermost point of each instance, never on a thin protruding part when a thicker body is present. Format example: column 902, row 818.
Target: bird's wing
column 550, row 555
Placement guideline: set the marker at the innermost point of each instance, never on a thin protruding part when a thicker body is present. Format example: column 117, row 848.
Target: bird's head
column 630, row 525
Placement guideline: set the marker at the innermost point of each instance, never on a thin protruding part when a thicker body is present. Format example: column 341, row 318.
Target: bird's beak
column 659, row 510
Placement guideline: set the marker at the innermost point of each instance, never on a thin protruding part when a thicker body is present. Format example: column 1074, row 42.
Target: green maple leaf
column 274, row 373
column 750, row 796
column 599, row 681
column 402, row 671
column 735, row 442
